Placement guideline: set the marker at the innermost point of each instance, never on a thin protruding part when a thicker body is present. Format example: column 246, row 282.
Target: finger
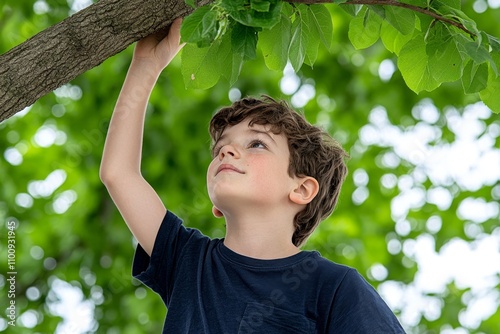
column 175, row 31
column 173, row 41
column 176, row 25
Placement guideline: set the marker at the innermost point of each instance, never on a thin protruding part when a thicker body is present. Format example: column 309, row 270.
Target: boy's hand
column 156, row 51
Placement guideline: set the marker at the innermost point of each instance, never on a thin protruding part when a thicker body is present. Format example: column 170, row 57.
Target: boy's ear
column 307, row 188
column 217, row 212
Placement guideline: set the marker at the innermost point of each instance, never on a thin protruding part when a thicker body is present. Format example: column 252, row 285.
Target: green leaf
column 352, row 10
column 379, row 10
column 209, row 26
column 477, row 52
column 445, row 62
column 199, row 65
column 253, row 18
column 400, row 18
column 413, row 63
column 235, row 69
column 364, row 29
column 457, row 14
column 320, row 23
column 190, row 3
column 244, row 41
column 202, row 67
column 455, row 4
column 260, row 6
column 298, row 42
column 423, row 22
column 274, row 43
column 480, row 55
column 475, row 77
column 393, row 40
column 312, row 41
column 492, row 92
column 229, row 62
column 493, row 41
column 200, row 27
column 495, row 60
column 233, row 5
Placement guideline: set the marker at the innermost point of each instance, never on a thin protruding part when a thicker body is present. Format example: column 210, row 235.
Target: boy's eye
column 253, row 144
column 257, row 144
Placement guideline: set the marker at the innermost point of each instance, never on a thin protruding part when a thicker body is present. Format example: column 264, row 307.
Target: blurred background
column 418, row 215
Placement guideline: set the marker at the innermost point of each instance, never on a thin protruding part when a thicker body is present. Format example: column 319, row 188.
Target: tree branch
column 411, row 7
column 58, row 54
column 396, row 4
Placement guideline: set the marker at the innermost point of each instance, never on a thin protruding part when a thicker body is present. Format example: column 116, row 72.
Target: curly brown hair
column 312, row 153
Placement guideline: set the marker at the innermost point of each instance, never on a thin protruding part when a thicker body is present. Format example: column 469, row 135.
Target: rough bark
column 60, row 53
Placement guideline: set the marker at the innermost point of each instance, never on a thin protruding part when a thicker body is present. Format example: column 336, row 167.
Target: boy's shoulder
column 321, row 270
column 327, row 275
column 315, row 261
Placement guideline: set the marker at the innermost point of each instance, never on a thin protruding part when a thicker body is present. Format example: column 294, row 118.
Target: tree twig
column 396, row 4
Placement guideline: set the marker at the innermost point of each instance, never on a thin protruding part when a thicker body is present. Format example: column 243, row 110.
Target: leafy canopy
column 435, row 41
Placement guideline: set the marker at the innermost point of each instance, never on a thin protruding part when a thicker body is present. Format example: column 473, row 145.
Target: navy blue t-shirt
column 208, row 288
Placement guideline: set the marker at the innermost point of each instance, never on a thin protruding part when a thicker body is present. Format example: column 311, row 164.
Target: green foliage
column 319, row 22
column 414, row 64
column 434, row 52
column 436, row 42
column 191, row 3
column 492, row 91
column 445, row 61
column 400, row 18
column 244, row 41
column 288, row 33
column 275, row 42
column 298, row 42
column 90, row 247
column 203, row 67
column 364, row 29
column 392, row 39
column 252, row 13
column 200, row 27
column 474, row 77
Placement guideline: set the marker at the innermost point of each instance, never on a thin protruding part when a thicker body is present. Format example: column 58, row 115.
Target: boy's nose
column 228, row 150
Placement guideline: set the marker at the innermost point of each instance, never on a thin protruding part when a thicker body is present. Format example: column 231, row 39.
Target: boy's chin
column 217, row 213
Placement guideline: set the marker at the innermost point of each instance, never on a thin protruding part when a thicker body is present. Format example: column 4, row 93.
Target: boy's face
column 249, row 170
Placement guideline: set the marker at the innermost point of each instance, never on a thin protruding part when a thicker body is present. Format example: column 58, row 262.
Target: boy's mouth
column 228, row 168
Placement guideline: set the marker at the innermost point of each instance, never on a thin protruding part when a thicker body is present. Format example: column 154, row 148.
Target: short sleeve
column 358, row 308
column 158, row 271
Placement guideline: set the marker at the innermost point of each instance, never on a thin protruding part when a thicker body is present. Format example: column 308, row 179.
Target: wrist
column 145, row 70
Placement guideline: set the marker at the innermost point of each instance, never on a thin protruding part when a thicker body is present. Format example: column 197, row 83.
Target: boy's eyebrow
column 263, row 132
column 249, row 130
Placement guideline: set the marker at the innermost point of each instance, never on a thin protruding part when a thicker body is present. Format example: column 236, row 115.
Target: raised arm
column 138, row 203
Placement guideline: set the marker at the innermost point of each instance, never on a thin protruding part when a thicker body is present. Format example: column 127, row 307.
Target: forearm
column 123, row 147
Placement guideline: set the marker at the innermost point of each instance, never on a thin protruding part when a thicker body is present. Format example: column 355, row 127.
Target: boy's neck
column 260, row 249
column 260, row 238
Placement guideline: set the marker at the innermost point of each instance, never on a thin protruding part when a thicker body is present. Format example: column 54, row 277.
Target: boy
column 273, row 178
